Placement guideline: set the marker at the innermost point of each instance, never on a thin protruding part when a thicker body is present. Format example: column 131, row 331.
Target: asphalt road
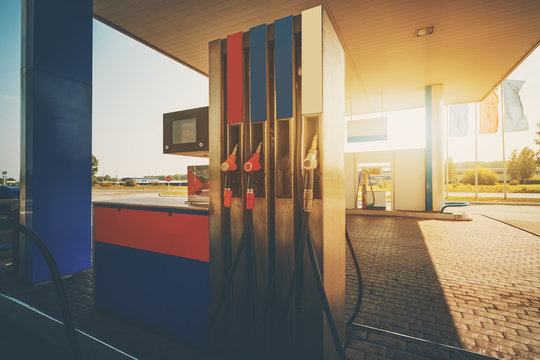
column 99, row 195
column 499, row 195
column 525, row 217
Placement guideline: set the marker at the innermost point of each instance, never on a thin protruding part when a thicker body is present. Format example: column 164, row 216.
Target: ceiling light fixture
column 424, row 31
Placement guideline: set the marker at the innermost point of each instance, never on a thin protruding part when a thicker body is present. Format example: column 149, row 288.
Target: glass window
column 184, row 131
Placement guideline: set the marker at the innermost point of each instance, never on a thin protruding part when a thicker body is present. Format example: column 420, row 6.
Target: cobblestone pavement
column 473, row 285
column 132, row 337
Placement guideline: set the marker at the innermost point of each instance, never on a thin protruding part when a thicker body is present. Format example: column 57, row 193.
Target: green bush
column 485, row 177
column 131, row 183
column 514, row 182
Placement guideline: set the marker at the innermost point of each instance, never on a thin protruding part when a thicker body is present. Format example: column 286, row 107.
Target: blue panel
column 284, row 67
column 165, row 291
column 56, row 124
column 257, row 72
column 429, row 149
column 62, row 37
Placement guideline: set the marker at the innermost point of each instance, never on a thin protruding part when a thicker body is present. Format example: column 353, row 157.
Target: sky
column 133, row 86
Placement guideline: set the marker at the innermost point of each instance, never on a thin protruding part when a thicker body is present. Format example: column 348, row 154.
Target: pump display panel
column 186, row 132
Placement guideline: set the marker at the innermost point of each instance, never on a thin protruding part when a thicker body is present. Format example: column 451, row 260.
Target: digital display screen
column 184, row 131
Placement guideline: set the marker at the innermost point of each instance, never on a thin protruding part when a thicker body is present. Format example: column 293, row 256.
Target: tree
column 485, row 177
column 537, row 142
column 513, row 167
column 452, row 175
column 521, row 167
column 95, row 163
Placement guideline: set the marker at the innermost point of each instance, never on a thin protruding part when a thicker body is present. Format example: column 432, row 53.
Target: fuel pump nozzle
column 230, row 163
column 310, row 164
column 310, row 161
column 252, row 165
column 226, row 166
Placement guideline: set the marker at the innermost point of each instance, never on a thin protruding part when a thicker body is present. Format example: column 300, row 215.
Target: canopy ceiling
column 475, row 44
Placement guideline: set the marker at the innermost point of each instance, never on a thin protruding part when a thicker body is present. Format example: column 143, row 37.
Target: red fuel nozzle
column 250, row 199
column 230, row 163
column 227, row 197
column 253, row 164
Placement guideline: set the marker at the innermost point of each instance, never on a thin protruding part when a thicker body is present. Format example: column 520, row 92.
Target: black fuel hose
column 246, row 244
column 228, row 279
column 57, row 280
column 322, row 293
column 252, row 291
column 227, row 245
column 306, row 237
column 359, row 278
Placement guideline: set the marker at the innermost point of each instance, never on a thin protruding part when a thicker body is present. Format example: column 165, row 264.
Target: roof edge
column 144, row 42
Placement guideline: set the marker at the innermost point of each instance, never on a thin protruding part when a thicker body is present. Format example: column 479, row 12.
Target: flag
column 489, row 114
column 458, row 120
column 375, row 129
column 514, row 118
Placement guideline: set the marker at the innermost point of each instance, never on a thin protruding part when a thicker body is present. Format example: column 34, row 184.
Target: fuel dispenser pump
column 365, row 178
column 267, row 94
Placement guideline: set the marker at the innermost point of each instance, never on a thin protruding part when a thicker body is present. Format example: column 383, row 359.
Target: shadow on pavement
column 402, row 292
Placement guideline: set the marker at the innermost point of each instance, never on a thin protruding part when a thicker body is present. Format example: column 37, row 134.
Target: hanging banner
column 458, row 120
column 514, row 117
column 489, row 114
column 375, row 129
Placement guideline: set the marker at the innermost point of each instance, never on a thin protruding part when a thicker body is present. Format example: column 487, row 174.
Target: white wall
column 408, row 176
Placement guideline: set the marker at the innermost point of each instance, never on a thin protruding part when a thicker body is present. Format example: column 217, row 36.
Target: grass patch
column 498, row 188
column 493, row 199
column 177, row 193
column 139, row 187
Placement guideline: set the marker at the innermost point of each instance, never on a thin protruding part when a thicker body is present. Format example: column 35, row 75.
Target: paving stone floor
column 473, row 285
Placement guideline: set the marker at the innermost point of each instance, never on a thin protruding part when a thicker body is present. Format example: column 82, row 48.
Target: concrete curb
column 502, row 203
column 411, row 214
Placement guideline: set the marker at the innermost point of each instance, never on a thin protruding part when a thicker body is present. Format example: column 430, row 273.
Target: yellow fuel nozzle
column 310, row 161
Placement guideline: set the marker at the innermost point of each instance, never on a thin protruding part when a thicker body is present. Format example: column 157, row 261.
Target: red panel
column 235, row 81
column 184, row 235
